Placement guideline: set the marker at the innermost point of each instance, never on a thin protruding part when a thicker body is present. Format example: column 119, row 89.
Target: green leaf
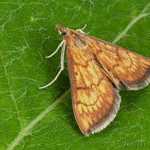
column 43, row 119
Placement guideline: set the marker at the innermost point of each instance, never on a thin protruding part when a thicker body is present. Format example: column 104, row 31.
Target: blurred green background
column 27, row 35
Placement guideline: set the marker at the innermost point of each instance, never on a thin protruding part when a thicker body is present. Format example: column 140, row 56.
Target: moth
column 98, row 70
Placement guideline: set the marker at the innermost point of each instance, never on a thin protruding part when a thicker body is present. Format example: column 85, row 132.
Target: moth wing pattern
column 127, row 69
column 97, row 71
column 95, row 100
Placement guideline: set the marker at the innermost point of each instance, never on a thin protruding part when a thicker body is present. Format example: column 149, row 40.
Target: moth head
column 62, row 30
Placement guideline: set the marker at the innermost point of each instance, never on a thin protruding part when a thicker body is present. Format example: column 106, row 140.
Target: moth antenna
column 61, row 69
column 81, row 30
column 59, row 46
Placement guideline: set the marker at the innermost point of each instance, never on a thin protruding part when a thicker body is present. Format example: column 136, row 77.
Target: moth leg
column 61, row 69
column 81, row 30
column 59, row 46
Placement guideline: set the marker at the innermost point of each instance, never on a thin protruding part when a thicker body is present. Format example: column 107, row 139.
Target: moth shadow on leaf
column 132, row 97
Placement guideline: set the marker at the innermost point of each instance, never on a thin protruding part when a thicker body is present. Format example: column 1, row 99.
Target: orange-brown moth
column 97, row 71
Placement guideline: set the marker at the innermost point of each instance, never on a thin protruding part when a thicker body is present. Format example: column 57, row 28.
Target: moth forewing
column 130, row 68
column 95, row 100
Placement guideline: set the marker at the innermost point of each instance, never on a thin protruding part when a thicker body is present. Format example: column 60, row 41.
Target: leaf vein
column 10, row 90
column 132, row 22
column 24, row 132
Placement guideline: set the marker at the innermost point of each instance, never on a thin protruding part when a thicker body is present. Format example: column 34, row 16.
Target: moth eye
column 63, row 33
